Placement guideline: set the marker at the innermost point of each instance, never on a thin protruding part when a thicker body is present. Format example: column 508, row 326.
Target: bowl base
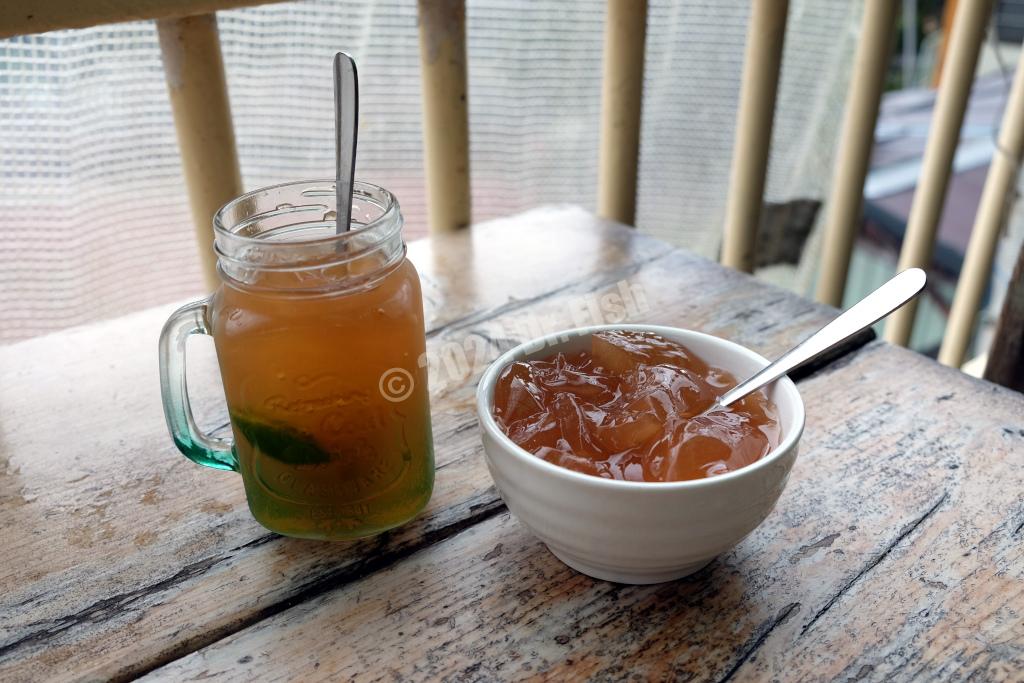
column 627, row 575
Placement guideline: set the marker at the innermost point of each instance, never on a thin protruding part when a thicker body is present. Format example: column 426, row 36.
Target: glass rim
column 390, row 210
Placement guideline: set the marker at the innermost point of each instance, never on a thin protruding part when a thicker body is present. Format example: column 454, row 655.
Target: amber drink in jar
column 319, row 336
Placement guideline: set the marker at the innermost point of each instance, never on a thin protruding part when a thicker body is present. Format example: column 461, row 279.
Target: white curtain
column 93, row 210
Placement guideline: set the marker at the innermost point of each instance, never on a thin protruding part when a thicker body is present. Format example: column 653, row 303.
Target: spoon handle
column 346, row 125
column 869, row 310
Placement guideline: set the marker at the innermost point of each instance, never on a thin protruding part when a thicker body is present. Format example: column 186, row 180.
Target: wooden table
column 897, row 549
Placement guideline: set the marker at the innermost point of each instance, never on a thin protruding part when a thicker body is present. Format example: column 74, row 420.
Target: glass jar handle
column 202, row 448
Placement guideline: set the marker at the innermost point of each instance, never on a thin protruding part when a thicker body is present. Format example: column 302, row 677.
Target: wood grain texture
column 894, row 554
column 122, row 555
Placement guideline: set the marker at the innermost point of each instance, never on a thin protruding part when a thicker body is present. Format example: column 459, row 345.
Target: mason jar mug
column 319, row 336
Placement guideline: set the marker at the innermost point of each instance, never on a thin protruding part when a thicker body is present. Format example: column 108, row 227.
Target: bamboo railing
column 198, row 93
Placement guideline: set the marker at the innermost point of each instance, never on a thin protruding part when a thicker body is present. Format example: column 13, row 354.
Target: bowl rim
column 485, row 391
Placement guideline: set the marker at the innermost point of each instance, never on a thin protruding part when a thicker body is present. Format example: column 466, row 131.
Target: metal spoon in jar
column 346, row 125
column 866, row 312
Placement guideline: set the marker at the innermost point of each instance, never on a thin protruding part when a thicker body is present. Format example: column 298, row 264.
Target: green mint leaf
column 281, row 442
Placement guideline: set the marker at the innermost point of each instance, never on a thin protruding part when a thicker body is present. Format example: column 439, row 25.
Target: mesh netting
column 94, row 211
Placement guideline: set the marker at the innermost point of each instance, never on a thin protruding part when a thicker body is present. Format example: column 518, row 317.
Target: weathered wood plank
column 126, row 556
column 894, row 553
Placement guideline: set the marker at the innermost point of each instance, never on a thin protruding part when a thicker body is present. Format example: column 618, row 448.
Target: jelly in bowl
column 641, row 502
column 635, row 406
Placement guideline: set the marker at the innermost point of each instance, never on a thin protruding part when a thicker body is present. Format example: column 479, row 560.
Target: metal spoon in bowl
column 866, row 312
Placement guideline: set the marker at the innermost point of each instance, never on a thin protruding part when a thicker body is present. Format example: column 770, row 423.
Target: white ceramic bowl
column 638, row 532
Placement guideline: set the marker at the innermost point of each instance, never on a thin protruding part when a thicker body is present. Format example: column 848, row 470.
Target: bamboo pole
column 856, row 140
column 954, row 90
column 622, row 92
column 445, row 112
column 948, row 19
column 762, row 60
column 194, row 69
column 999, row 186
